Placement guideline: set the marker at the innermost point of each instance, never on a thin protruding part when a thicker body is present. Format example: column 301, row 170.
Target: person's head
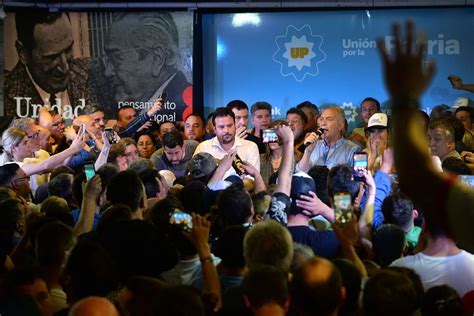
column 466, row 116
column 261, row 115
column 224, row 124
column 118, row 157
column 234, row 206
column 241, row 112
column 16, row 144
column 301, row 184
column 127, row 188
column 388, row 243
column 377, row 129
column 297, row 121
column 333, row 120
column 146, row 144
column 45, row 140
column 11, row 175
column 320, row 176
column 301, row 254
column 61, row 186
column 312, row 113
column 151, row 179
column 140, row 296
column 91, row 126
column 194, row 128
column 352, row 281
column 166, row 127
column 263, row 285
column 113, row 214
column 125, row 115
column 28, row 125
column 441, row 136
column 53, row 241
column 455, row 166
column 53, row 205
column 27, row 282
column 194, row 197
column 44, row 46
column 93, row 306
column 442, row 300
column 173, row 147
column 97, row 113
column 202, row 166
column 368, row 107
column 340, row 179
column 131, row 150
column 142, row 52
column 316, row 288
column 440, row 111
column 230, row 247
column 398, row 209
column 389, row 293
column 270, row 243
column 210, row 124
column 12, row 221
column 183, row 300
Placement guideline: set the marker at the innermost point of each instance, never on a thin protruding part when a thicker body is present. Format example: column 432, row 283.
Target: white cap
column 378, row 120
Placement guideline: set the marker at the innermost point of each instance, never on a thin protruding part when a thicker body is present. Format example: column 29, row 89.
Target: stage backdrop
column 326, row 57
column 112, row 59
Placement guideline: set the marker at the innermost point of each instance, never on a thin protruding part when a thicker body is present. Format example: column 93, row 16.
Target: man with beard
column 46, row 72
column 225, row 142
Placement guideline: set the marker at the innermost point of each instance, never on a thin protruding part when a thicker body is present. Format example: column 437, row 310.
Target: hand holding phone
column 237, row 165
column 182, row 220
column 342, row 208
column 110, row 133
column 269, row 135
column 360, row 166
column 89, row 170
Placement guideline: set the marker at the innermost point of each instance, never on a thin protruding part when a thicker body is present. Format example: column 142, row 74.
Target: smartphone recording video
column 237, row 165
column 342, row 208
column 360, row 166
column 109, row 133
column 89, row 170
column 269, row 136
column 182, row 220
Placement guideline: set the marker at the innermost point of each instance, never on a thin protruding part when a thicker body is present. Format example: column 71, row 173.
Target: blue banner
column 326, row 57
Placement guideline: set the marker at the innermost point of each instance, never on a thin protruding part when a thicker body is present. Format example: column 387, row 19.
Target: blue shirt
column 342, row 152
column 75, row 215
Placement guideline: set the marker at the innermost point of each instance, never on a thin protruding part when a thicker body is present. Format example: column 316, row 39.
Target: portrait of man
column 46, row 72
column 142, row 60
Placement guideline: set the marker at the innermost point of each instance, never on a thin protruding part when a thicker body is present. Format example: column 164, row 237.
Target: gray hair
column 25, row 124
column 270, row 243
column 341, row 116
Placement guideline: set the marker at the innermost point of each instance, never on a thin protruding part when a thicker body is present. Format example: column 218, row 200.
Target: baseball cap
column 202, row 164
column 378, row 120
column 301, row 184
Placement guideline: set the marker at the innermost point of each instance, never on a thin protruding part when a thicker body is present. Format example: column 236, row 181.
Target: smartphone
column 237, row 164
column 360, row 165
column 182, row 220
column 269, row 135
column 342, row 208
column 89, row 170
column 109, row 132
column 468, row 180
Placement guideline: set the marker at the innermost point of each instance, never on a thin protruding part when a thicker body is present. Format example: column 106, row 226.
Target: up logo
column 299, row 52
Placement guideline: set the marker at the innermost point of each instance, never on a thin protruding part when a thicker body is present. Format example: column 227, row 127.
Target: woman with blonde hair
column 15, row 148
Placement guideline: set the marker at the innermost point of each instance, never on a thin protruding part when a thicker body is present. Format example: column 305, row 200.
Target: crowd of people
column 127, row 216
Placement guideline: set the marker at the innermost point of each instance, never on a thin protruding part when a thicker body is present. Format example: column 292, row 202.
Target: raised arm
column 285, row 173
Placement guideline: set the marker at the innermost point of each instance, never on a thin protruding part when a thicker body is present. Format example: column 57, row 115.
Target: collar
column 237, row 143
column 43, row 94
column 160, row 90
column 338, row 143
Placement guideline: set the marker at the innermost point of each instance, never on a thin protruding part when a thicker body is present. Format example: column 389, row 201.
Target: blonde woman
column 16, row 147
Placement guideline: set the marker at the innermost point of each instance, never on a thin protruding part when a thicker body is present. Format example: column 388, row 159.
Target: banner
column 112, row 59
column 327, row 57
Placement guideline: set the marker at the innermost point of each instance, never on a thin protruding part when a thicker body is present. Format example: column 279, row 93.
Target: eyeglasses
column 35, row 135
column 117, row 59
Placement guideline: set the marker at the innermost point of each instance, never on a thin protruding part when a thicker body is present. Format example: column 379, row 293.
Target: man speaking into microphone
column 329, row 148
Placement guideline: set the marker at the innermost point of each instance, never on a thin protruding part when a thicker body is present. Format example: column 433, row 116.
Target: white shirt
column 456, row 271
column 247, row 151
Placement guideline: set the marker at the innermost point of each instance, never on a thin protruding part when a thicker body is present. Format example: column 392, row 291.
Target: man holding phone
column 331, row 148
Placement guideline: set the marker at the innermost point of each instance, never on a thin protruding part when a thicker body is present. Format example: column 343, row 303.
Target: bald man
column 93, row 141
column 92, row 127
column 93, row 306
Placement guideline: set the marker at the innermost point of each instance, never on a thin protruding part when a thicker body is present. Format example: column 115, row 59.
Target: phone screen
column 342, row 207
column 269, row 136
column 360, row 165
column 181, row 219
column 109, row 132
column 468, row 180
column 89, row 170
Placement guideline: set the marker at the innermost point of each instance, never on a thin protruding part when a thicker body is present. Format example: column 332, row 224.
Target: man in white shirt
column 225, row 141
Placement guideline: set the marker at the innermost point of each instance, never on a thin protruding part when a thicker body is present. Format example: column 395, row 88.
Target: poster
column 327, row 57
column 70, row 60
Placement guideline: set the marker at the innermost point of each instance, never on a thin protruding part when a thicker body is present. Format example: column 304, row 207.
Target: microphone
column 320, row 131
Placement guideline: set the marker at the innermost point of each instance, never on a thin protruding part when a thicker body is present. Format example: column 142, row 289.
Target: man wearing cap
column 225, row 141
column 175, row 153
column 377, row 139
column 330, row 149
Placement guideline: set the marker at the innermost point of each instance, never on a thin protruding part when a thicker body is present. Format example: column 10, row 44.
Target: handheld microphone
column 320, row 131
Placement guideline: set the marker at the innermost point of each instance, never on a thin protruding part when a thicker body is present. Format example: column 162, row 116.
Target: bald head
column 93, row 306
column 317, row 288
column 91, row 125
